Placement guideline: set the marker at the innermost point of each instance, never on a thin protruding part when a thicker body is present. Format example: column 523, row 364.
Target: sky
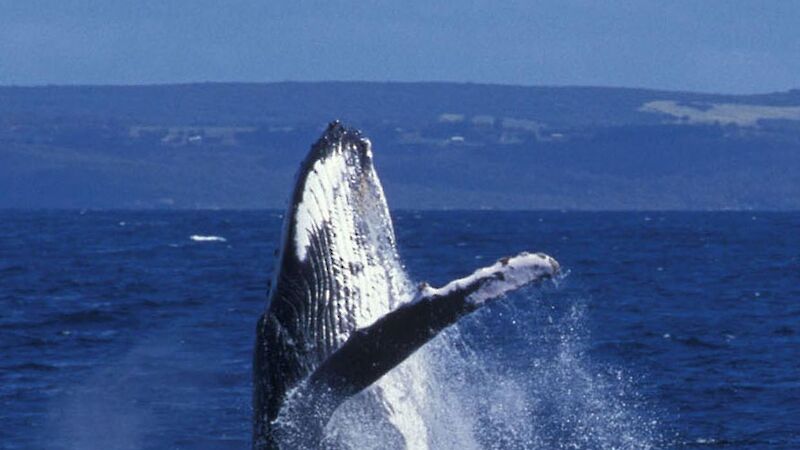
column 726, row 46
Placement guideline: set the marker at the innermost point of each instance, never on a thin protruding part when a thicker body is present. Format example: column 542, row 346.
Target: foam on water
column 200, row 238
column 462, row 399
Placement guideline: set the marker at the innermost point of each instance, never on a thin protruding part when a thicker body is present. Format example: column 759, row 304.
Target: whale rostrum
column 339, row 315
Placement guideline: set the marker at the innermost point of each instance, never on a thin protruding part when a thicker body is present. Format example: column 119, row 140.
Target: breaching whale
column 336, row 319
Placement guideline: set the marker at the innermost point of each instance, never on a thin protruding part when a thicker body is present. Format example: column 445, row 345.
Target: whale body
column 339, row 315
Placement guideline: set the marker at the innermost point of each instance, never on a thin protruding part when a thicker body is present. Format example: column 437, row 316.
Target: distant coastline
column 437, row 145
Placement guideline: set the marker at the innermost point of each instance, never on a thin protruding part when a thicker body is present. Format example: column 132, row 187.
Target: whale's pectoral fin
column 371, row 352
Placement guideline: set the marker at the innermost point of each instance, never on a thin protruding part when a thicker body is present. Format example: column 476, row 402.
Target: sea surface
column 134, row 330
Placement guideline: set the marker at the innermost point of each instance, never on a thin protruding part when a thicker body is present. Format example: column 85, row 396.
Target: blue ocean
column 134, row 330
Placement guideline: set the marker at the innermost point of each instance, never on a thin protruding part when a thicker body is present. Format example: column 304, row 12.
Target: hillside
column 437, row 145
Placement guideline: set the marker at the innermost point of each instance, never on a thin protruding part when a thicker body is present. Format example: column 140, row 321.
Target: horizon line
column 395, row 82
column 405, row 210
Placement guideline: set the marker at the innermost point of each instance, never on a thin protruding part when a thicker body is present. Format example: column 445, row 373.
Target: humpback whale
column 338, row 318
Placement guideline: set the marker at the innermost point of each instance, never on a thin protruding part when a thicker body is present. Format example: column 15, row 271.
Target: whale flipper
column 335, row 322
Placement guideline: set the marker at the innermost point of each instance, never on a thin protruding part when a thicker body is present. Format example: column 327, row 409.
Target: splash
column 515, row 376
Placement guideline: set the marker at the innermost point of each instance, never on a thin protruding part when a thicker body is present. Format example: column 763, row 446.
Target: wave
column 201, row 238
column 29, row 366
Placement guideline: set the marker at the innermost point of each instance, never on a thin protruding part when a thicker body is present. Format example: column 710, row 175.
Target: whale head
column 339, row 246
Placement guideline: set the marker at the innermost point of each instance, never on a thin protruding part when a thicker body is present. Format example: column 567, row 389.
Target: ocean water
column 134, row 330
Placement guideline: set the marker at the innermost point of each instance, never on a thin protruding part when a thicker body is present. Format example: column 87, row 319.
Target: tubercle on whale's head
column 339, row 136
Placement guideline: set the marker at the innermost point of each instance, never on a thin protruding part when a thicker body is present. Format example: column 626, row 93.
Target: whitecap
column 199, row 238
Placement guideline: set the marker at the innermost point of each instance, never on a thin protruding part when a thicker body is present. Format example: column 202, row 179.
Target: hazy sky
column 701, row 45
